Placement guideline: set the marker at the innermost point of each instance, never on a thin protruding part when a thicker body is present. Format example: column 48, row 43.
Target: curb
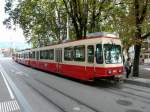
column 138, row 81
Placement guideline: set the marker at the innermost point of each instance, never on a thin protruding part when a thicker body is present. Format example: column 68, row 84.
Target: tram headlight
column 109, row 71
column 120, row 70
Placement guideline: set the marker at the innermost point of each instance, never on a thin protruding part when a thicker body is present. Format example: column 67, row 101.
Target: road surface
column 29, row 90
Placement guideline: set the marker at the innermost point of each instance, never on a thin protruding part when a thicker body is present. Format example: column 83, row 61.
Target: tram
column 97, row 56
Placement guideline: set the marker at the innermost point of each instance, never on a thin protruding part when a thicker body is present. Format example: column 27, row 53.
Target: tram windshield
column 112, row 54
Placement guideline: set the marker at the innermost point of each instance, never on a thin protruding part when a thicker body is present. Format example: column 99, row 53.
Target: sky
column 7, row 35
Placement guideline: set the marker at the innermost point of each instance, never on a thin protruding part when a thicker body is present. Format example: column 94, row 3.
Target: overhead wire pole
column 67, row 27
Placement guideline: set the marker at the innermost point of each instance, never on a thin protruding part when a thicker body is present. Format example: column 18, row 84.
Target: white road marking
column 76, row 108
column 9, row 106
column 0, row 108
column 8, row 87
column 25, row 105
column 147, row 69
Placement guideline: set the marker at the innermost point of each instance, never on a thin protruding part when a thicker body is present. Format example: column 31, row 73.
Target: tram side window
column 68, row 54
column 24, row 55
column 30, row 54
column 99, row 54
column 41, row 55
column 47, row 54
column 33, row 54
column 37, row 55
column 79, row 53
column 44, row 54
column 51, row 54
column 90, row 53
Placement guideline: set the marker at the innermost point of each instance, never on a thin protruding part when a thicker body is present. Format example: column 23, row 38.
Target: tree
column 42, row 21
column 45, row 21
column 133, row 26
column 88, row 15
column 78, row 12
column 99, row 13
column 142, row 31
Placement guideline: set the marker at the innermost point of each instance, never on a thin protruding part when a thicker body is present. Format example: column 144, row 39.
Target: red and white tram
column 98, row 56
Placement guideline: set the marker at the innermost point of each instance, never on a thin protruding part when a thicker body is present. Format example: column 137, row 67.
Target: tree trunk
column 127, row 51
column 137, row 49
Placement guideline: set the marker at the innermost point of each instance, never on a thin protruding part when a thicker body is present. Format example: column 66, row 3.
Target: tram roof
column 88, row 36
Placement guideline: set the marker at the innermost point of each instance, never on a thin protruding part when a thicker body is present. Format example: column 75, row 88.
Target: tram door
column 90, row 61
column 37, row 59
column 58, row 58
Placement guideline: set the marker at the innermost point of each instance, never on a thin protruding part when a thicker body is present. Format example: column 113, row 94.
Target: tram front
column 109, row 61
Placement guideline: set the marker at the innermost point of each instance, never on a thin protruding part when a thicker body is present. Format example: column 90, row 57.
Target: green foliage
column 44, row 21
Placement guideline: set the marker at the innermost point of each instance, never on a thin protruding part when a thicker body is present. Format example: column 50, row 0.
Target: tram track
column 119, row 91
column 128, row 94
column 113, row 90
column 67, row 95
column 144, row 97
column 45, row 97
column 62, row 109
column 60, row 92
column 148, row 92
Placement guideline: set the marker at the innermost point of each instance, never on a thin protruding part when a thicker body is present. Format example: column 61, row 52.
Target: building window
column 146, row 56
column 79, row 53
column 68, row 54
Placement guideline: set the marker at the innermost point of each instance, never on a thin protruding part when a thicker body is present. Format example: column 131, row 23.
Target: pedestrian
column 128, row 67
